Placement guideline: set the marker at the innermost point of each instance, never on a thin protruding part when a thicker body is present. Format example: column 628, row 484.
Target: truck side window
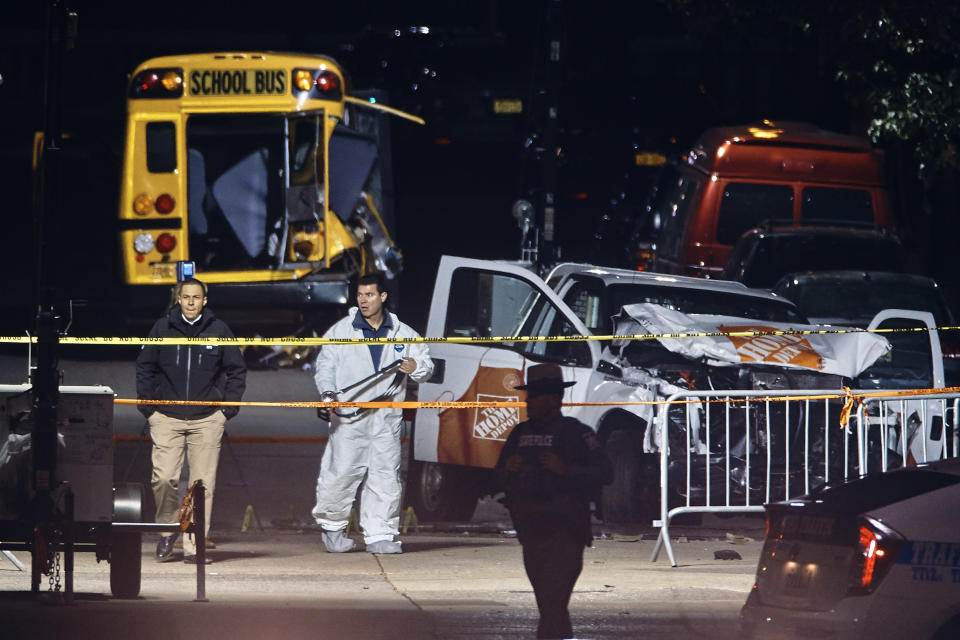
column 829, row 203
column 746, row 204
column 484, row 304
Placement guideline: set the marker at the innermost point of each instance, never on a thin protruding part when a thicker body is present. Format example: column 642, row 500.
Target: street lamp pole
column 60, row 26
column 551, row 128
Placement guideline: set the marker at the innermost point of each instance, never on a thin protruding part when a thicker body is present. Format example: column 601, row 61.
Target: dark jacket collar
column 175, row 317
column 359, row 322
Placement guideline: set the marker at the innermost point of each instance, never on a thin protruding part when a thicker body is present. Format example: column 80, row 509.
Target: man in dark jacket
column 187, row 372
column 550, row 468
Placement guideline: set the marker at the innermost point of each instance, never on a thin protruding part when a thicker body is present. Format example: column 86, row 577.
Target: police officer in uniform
column 550, row 468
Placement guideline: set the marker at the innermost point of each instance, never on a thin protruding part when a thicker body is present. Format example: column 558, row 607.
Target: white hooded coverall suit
column 367, row 444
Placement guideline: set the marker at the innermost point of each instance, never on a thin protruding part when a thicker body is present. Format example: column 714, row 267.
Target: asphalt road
column 444, row 586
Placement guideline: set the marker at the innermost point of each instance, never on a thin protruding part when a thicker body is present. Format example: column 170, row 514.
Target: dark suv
column 764, row 254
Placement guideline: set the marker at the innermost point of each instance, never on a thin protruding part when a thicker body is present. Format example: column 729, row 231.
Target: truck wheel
column 125, row 546
column 440, row 492
column 620, row 499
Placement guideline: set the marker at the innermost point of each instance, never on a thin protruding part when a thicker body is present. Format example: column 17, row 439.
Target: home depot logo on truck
column 737, row 177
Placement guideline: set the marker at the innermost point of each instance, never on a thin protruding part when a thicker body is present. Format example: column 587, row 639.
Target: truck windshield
column 778, row 254
column 721, row 303
column 857, row 301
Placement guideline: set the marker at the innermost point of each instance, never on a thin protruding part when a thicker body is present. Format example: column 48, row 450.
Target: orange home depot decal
column 494, row 423
column 789, row 349
column 474, row 437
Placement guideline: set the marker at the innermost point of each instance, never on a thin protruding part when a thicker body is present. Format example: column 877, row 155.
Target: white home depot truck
column 453, row 451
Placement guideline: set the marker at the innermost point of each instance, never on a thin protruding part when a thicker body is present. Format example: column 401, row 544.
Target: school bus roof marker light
column 303, row 79
column 172, row 80
column 157, row 83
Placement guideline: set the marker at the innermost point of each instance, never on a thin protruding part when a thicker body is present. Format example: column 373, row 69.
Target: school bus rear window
column 161, row 147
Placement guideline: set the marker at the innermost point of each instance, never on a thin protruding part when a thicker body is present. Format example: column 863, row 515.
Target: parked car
column 735, row 177
column 454, row 450
column 878, row 557
column 852, row 298
column 764, row 254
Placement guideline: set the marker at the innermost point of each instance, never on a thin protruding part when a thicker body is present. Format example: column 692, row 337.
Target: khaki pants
column 201, row 438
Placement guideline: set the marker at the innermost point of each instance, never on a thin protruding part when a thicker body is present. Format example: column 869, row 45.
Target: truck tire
column 620, row 499
column 125, row 546
column 441, row 492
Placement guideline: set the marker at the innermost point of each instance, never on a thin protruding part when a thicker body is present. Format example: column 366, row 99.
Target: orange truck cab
column 737, row 177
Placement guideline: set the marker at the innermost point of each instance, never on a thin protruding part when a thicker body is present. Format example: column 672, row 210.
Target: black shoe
column 165, row 548
column 192, row 559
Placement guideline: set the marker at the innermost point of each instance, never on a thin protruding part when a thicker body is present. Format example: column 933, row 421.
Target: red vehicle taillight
column 327, row 82
column 148, row 81
column 876, row 551
column 643, row 258
column 950, row 344
column 165, row 203
column 166, row 243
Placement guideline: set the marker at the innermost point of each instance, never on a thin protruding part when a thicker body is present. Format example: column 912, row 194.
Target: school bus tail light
column 166, row 243
column 165, row 203
column 157, row 83
column 143, row 243
column 142, row 204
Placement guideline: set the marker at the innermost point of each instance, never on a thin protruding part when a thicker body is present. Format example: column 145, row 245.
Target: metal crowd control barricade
column 734, row 451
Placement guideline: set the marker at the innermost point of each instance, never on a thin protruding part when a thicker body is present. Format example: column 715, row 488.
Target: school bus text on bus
column 218, row 82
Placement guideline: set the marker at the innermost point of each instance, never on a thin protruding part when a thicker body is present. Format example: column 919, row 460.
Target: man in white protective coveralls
column 364, row 445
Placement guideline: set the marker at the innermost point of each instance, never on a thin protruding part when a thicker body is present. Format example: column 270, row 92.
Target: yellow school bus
column 259, row 168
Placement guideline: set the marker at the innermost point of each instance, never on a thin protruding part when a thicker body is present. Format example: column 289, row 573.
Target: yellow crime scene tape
column 319, row 341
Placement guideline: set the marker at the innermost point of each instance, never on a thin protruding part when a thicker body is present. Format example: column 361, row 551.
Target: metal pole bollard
column 199, row 537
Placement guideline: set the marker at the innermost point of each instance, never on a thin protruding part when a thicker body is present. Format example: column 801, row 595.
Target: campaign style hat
column 545, row 378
